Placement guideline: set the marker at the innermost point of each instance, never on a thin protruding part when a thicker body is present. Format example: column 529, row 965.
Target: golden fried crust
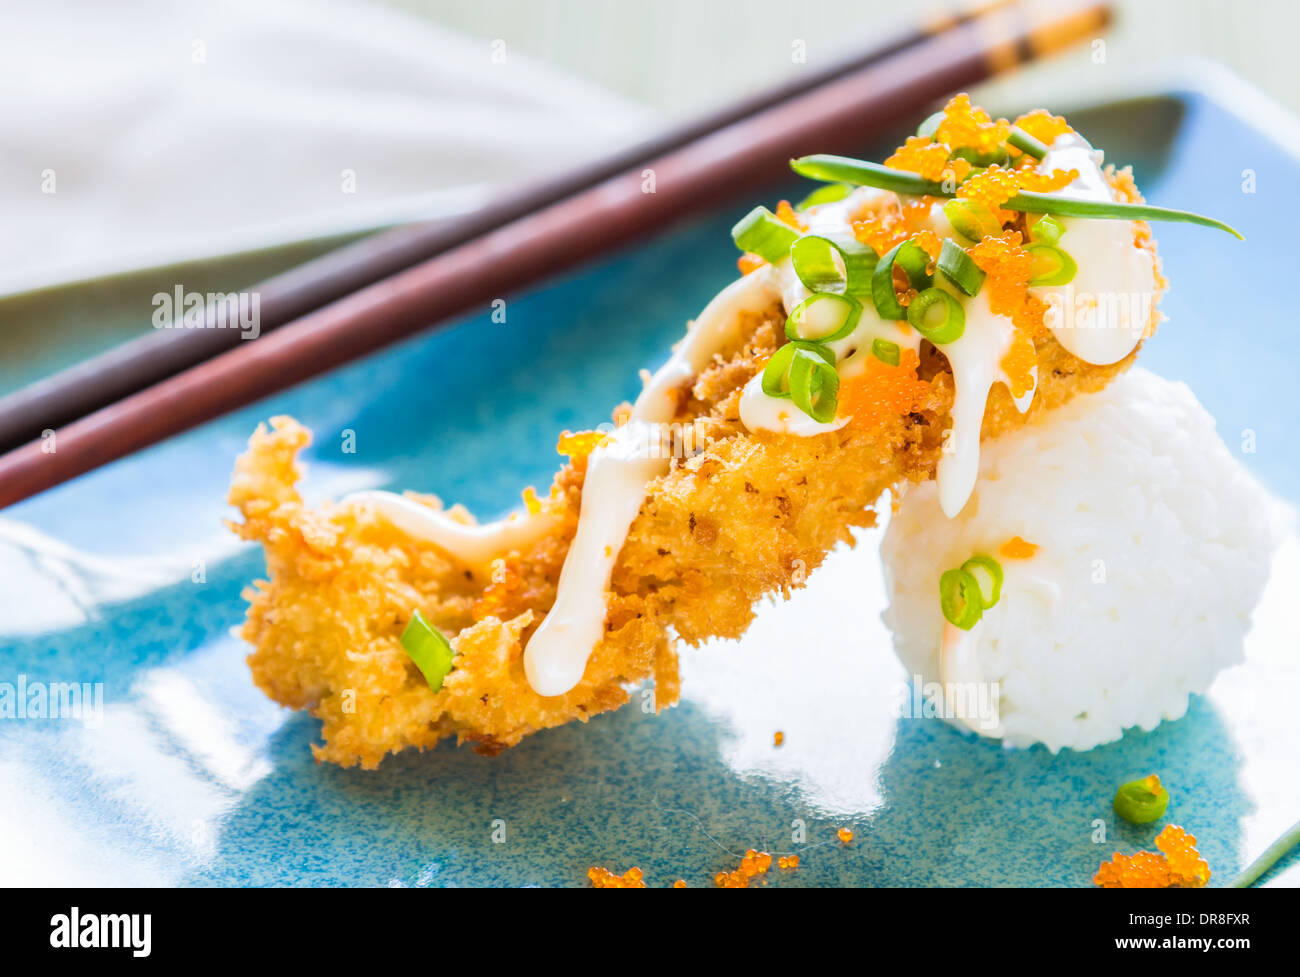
column 749, row 515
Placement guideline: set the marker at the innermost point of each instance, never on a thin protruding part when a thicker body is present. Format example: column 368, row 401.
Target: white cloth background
column 176, row 129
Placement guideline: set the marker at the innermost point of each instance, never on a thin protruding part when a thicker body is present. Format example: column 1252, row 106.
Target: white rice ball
column 1153, row 548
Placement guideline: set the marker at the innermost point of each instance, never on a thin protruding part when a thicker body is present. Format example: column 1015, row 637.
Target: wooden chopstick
column 158, row 354
column 837, row 116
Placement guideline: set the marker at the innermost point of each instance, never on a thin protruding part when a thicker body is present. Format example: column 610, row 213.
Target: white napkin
column 145, row 131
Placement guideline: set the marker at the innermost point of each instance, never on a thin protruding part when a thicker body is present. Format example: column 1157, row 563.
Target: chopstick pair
column 354, row 301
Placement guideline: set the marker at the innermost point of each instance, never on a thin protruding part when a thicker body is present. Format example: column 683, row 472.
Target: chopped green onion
column 762, row 233
column 972, row 221
column 1046, row 230
column 930, row 126
column 814, row 386
column 959, row 598
column 833, row 263
column 1272, row 854
column 1141, row 801
column 863, row 173
column 1051, row 265
column 1026, row 143
column 937, row 316
column 988, row 574
column 825, row 195
column 429, row 649
column 885, row 351
column 776, row 375
column 960, row 267
column 823, row 318
column 912, row 259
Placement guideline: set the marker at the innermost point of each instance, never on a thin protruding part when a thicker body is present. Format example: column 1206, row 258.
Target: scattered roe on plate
column 845, row 835
column 778, row 738
column 1177, row 865
column 603, row 878
column 753, row 865
column 882, row 391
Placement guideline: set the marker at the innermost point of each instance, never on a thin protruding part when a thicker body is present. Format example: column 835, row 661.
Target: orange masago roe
column 928, row 159
column 893, row 223
column 753, row 865
column 603, row 878
column 882, row 390
column 1177, row 865
column 1007, row 267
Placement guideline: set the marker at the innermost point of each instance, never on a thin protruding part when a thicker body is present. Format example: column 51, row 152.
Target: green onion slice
column 960, row 267
column 912, row 259
column 988, row 574
column 972, row 221
column 1046, row 230
column 1026, row 143
column 937, row 316
column 762, row 233
column 1051, row 265
column 885, row 351
column 814, row 386
column 776, row 375
column 930, row 126
column 1137, row 802
column 823, row 318
column 429, row 649
column 959, row 597
column 825, row 195
column 833, row 263
column 863, row 173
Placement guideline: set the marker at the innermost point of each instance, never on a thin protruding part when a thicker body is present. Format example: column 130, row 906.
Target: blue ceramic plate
column 189, row 776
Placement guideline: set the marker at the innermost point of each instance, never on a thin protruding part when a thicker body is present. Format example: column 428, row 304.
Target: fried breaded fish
column 743, row 515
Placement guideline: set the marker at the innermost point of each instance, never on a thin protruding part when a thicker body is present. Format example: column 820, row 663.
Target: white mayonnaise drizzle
column 759, row 412
column 1102, row 315
column 475, row 545
column 615, row 486
column 975, row 360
